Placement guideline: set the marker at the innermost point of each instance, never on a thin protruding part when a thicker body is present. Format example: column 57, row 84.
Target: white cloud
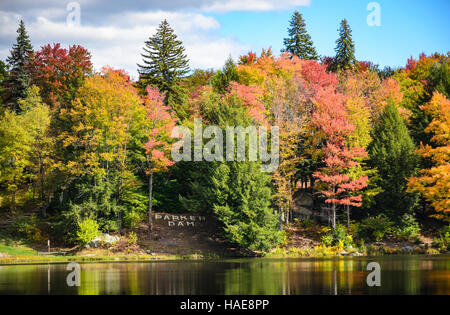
column 118, row 42
column 252, row 5
column 99, row 7
column 114, row 32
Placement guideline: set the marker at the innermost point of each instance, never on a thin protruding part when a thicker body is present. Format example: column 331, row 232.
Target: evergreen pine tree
column 345, row 49
column 222, row 78
column 392, row 153
column 3, row 77
column 238, row 192
column 164, row 66
column 299, row 42
column 18, row 81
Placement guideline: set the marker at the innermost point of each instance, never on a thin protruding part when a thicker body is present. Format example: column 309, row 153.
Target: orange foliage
column 434, row 183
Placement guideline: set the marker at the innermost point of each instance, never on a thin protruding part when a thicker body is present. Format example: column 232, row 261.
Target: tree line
column 81, row 146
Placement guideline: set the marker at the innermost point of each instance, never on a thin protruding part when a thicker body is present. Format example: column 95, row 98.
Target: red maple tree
column 59, row 72
column 160, row 123
column 330, row 117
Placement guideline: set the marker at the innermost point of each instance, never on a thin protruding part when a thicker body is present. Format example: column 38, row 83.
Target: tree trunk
column 348, row 217
column 291, row 213
column 281, row 223
column 150, row 203
column 13, row 201
column 42, row 197
column 41, row 188
column 333, row 220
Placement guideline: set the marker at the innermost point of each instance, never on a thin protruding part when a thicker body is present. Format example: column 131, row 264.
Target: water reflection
column 399, row 275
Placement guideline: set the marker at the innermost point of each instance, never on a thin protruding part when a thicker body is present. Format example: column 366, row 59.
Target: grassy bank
column 370, row 250
column 13, row 251
column 38, row 259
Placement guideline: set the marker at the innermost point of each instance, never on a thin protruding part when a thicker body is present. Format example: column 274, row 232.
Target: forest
column 84, row 151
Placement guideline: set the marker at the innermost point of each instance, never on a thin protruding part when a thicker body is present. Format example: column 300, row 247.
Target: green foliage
column 3, row 76
column 132, row 218
column 221, row 80
column 374, row 228
column 327, row 239
column 24, row 144
column 408, row 228
column 164, row 64
column 299, row 42
column 90, row 158
column 18, row 80
column 392, row 154
column 439, row 78
column 243, row 206
column 238, row 192
column 28, row 229
column 442, row 243
column 198, row 78
column 97, row 198
column 345, row 49
column 307, row 223
column 132, row 238
column 87, row 230
column 340, row 237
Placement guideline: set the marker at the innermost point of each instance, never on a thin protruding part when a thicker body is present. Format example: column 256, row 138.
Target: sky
column 385, row 32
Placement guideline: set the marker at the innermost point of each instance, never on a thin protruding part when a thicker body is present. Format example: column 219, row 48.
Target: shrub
column 442, row 243
column 132, row 238
column 408, row 228
column 308, row 223
column 327, row 240
column 132, row 219
column 28, row 229
column 374, row 229
column 87, row 231
column 340, row 238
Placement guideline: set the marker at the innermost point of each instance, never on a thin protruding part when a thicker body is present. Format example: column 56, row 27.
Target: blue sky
column 408, row 27
column 114, row 31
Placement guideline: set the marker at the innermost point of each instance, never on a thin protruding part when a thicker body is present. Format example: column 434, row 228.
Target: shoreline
column 293, row 253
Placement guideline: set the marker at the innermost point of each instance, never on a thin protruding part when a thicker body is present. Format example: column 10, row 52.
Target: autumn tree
column 434, row 183
column 419, row 80
column 102, row 117
column 24, row 144
column 159, row 125
column 360, row 90
column 18, row 80
column 59, row 73
column 298, row 42
column 41, row 154
column 339, row 188
column 290, row 119
column 164, row 66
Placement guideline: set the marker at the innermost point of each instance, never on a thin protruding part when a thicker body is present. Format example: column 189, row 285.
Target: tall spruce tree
column 164, row 66
column 345, row 49
column 222, row 78
column 392, row 153
column 3, row 77
column 18, row 81
column 238, row 192
column 299, row 42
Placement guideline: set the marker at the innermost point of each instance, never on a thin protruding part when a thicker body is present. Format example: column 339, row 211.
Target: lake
column 342, row 276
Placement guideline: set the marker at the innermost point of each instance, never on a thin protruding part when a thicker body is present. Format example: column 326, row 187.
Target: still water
column 399, row 275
